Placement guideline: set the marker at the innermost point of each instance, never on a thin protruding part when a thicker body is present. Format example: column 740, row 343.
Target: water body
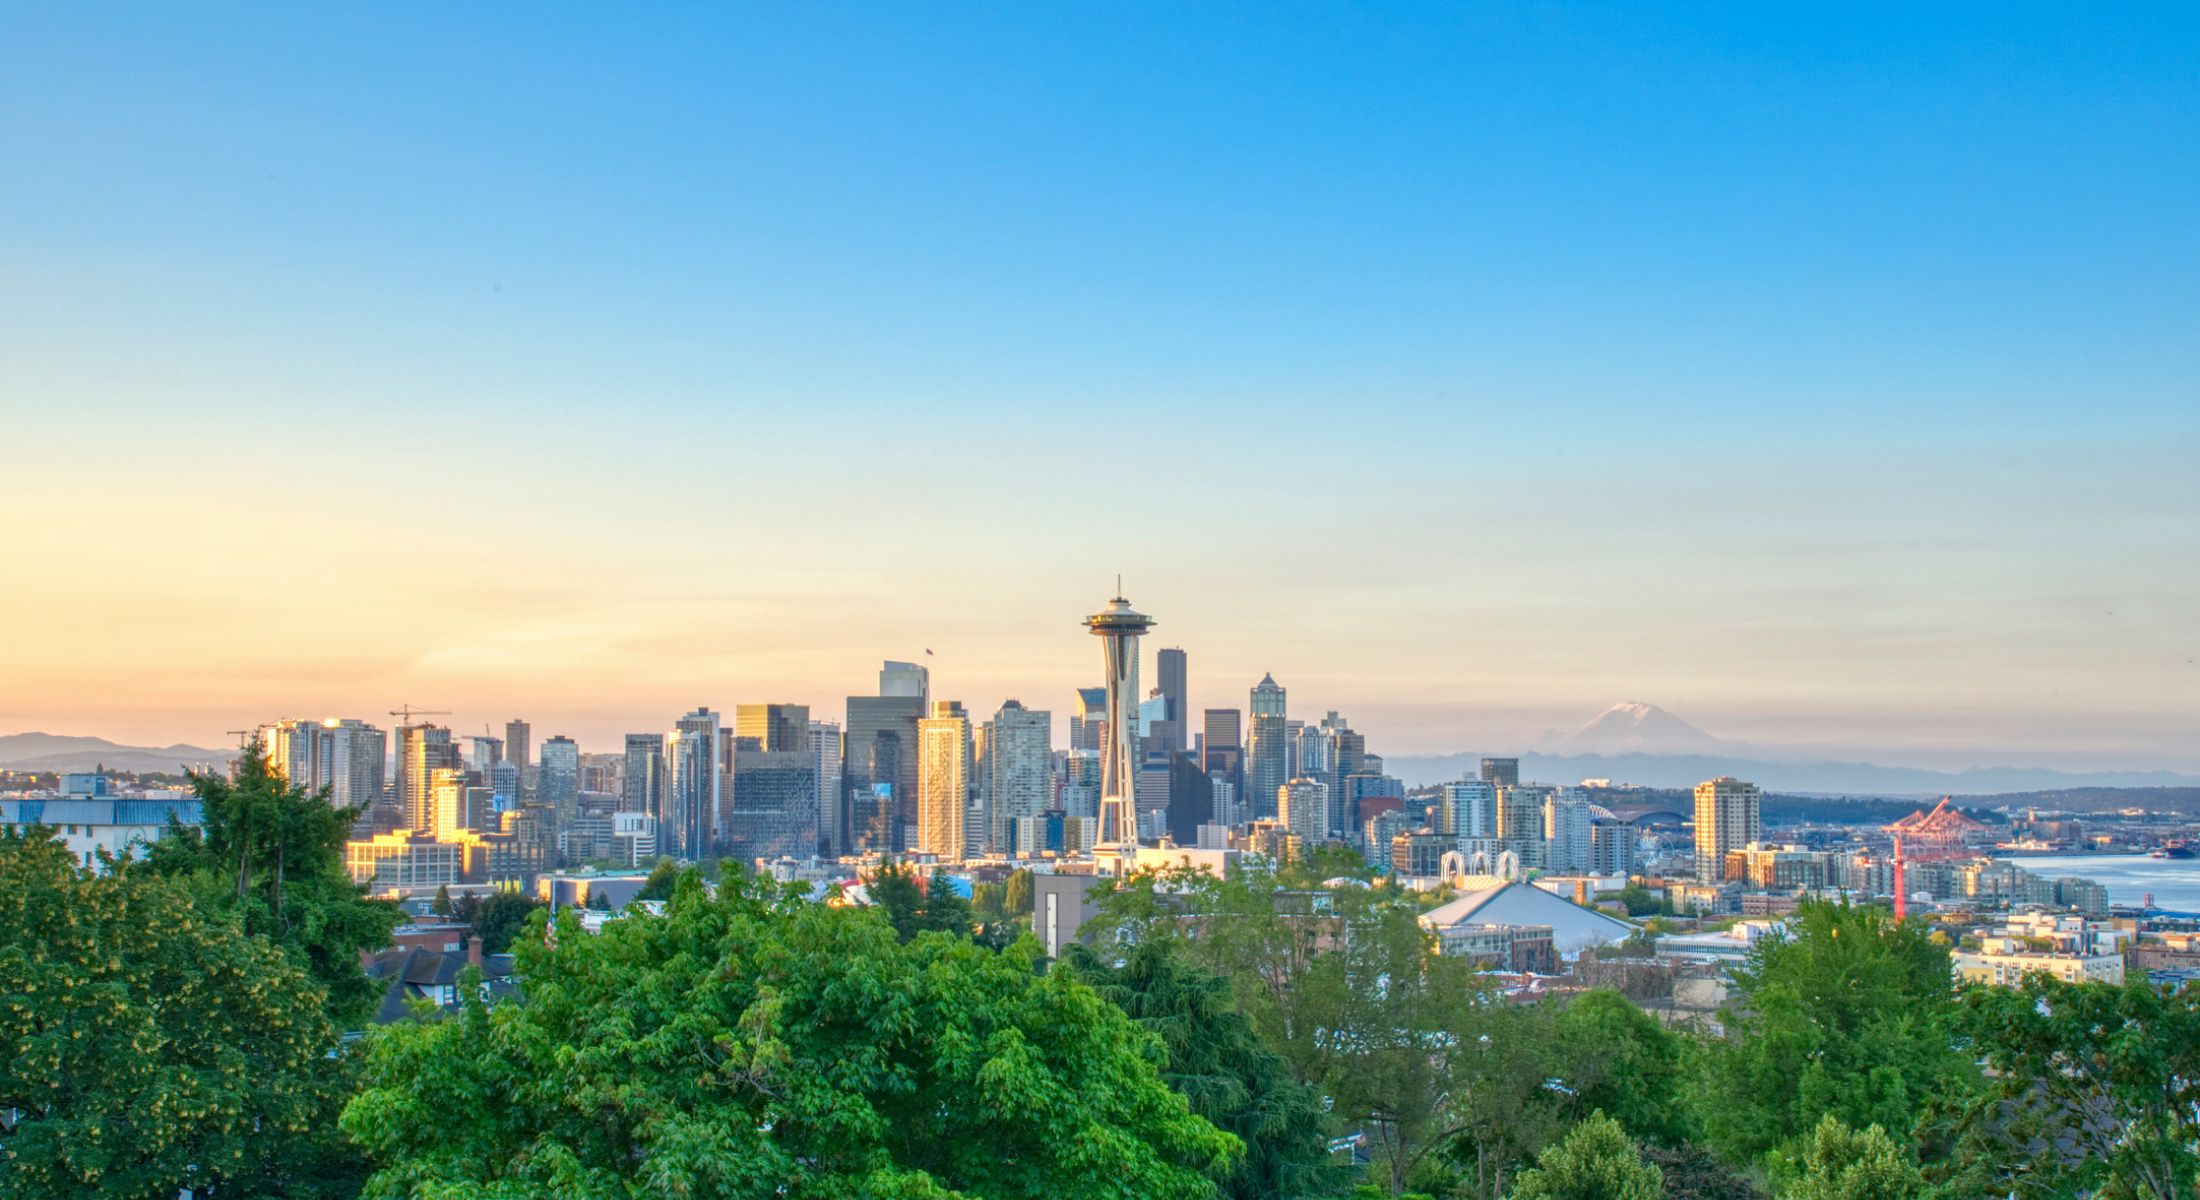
column 2129, row 878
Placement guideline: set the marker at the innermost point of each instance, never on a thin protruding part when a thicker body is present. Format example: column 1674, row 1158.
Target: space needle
column 1118, row 626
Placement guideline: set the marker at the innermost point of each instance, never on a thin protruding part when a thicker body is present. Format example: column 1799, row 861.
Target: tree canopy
column 750, row 1044
column 148, row 1045
column 272, row 855
column 1594, row 1161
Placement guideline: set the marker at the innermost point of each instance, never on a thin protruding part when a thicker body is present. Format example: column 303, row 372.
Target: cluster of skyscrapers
column 906, row 773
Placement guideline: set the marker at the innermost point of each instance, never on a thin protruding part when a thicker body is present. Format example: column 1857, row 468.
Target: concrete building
column 1173, row 728
column 558, row 779
column 1726, row 819
column 341, row 754
column 519, row 749
column 1467, row 810
column 1567, row 833
column 774, row 810
column 832, row 825
column 879, row 768
column 1303, row 809
column 642, row 776
column 1520, row 822
column 421, row 750
column 1019, row 769
column 407, row 861
column 773, row 726
column 2063, row 946
column 92, row 819
column 1501, row 772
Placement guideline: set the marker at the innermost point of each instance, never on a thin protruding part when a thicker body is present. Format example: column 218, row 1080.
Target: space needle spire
column 1118, row 627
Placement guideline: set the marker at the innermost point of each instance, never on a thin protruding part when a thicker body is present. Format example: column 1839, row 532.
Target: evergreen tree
column 1840, row 1163
column 1593, row 1162
column 271, row 855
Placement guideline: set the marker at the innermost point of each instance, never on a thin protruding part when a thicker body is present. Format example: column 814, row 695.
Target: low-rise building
column 2064, row 946
column 98, row 821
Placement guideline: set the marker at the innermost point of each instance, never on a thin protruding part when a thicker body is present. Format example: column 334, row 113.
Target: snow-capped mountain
column 1637, row 728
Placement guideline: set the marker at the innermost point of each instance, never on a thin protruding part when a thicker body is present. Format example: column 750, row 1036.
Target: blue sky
column 1823, row 376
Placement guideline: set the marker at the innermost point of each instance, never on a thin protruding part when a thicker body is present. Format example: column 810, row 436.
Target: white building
column 2065, row 946
column 1303, row 807
column 1468, row 811
column 91, row 818
column 1573, row 928
column 1019, row 769
column 1567, row 844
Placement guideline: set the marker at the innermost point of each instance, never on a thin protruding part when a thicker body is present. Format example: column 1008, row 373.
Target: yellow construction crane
column 407, row 711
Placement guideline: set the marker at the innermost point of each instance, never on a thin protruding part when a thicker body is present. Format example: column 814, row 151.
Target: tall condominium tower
column 832, row 828
column 1019, row 759
column 518, row 750
column 642, row 775
column 421, row 750
column 1726, row 819
column 1568, row 848
column 1119, row 626
column 1468, row 812
column 1304, row 808
column 1520, row 822
column 904, row 680
column 1267, row 751
column 340, row 754
column 693, row 789
column 1173, row 729
column 943, row 780
column 774, row 726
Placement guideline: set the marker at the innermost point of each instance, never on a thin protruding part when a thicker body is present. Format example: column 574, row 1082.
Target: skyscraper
column 832, row 826
column 421, row 749
column 1468, row 812
column 1501, row 772
column 1726, row 819
column 1317, row 760
column 340, row 754
column 1019, row 761
column 774, row 726
column 485, row 753
column 692, row 786
column 943, row 780
column 1173, row 728
column 642, row 776
column 879, row 764
column 558, row 782
column 774, row 809
column 1119, row 626
column 1567, row 844
column 1222, row 755
column 517, row 749
column 1520, row 823
column 904, row 680
column 1267, row 753
column 1304, row 808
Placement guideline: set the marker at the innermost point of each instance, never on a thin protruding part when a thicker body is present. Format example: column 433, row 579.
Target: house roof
column 409, row 971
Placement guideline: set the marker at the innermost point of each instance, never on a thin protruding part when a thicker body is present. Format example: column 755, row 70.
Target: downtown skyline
column 1468, row 372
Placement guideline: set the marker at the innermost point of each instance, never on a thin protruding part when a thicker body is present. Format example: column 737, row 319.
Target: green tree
column 1217, row 1063
column 271, row 856
column 2094, row 1089
column 662, row 879
column 1846, row 1015
column 750, row 1044
column 1595, row 1161
column 987, row 903
column 499, row 919
column 1016, row 897
column 441, row 906
column 1642, row 902
column 1840, row 1163
column 1622, row 1061
column 148, row 1045
column 599, row 900
column 913, row 907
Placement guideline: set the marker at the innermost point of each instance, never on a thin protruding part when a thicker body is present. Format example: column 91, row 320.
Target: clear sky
column 1823, row 378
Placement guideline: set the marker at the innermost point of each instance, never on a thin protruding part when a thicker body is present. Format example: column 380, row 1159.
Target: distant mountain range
column 56, row 752
column 1643, row 744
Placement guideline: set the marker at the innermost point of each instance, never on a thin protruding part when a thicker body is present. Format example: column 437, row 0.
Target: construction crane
column 407, row 711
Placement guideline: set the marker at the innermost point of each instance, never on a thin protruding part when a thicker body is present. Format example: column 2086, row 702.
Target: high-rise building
column 1567, row 844
column 1501, row 772
column 448, row 813
column 1119, row 626
column 879, row 765
column 1726, row 819
column 1520, row 823
column 1303, row 808
column 773, row 726
column 642, row 776
column 1191, row 799
column 1267, row 751
column 943, row 780
column 1019, row 759
column 1173, row 727
column 421, row 749
column 518, row 750
column 340, row 754
column 832, row 828
column 693, row 786
column 774, row 810
column 484, row 755
column 558, row 780
column 1468, row 811
column 905, row 680
column 1611, row 846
